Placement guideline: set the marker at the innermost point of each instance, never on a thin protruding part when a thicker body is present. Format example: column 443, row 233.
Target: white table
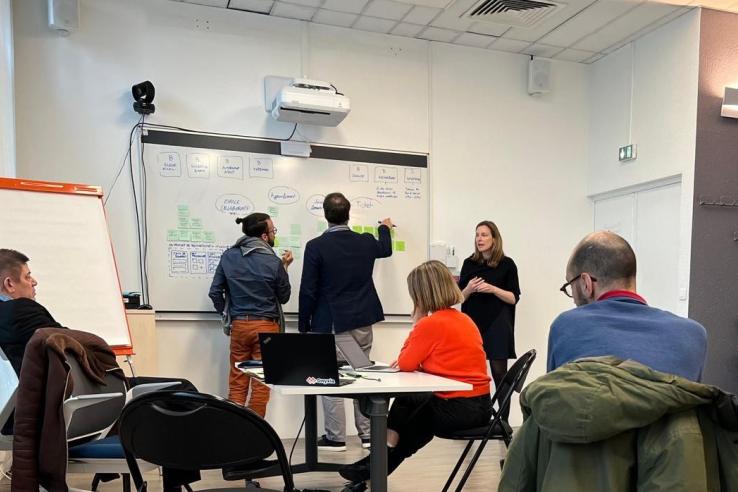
column 374, row 399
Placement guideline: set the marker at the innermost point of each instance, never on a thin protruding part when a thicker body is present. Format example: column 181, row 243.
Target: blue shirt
column 629, row 329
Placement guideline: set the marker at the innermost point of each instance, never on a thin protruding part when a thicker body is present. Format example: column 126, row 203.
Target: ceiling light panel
column 387, row 9
column 448, row 20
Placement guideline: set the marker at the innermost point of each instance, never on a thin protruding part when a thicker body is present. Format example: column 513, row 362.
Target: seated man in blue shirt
column 612, row 319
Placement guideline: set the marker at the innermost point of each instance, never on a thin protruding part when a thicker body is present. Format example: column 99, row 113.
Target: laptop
column 298, row 359
column 356, row 357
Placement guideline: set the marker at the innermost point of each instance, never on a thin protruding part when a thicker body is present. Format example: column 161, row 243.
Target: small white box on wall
column 64, row 16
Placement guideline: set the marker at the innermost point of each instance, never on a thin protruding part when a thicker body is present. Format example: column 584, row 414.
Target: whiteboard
column 65, row 235
column 197, row 189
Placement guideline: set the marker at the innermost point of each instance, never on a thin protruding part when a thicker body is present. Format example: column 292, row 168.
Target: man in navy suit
column 337, row 295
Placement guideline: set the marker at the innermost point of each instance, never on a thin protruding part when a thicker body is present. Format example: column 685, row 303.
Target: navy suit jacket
column 337, row 292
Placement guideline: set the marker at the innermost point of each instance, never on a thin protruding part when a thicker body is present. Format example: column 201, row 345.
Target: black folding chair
column 193, row 431
column 497, row 429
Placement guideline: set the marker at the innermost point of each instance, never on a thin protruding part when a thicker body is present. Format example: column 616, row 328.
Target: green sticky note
column 297, row 253
column 273, row 211
column 276, row 242
column 295, row 229
column 197, row 236
column 400, row 245
column 370, row 229
column 195, row 223
column 184, row 235
column 183, row 223
column 322, row 226
column 392, row 232
column 172, row 235
column 183, row 210
column 358, row 229
column 209, row 237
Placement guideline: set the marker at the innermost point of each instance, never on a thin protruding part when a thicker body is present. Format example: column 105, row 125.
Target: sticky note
column 172, row 235
column 295, row 229
column 400, row 245
column 273, row 211
column 276, row 242
column 184, row 235
column 297, row 253
column 370, row 230
column 183, row 210
column 195, row 223
column 358, row 229
column 183, row 223
column 322, row 226
column 392, row 233
column 209, row 236
column 197, row 236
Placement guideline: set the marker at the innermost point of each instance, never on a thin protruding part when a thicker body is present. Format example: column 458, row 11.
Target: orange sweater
column 447, row 343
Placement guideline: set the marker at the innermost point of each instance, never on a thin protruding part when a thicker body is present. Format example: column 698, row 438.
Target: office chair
column 497, row 429
column 194, row 431
column 8, row 390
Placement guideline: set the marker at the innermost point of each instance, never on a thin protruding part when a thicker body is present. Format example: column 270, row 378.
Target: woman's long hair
column 497, row 252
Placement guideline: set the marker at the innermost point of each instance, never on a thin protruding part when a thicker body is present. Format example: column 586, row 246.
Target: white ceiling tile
column 447, row 20
column 293, row 11
column 387, row 9
column 589, row 20
column 624, row 26
column 442, row 4
column 436, row 34
column 488, row 28
column 542, row 50
column 574, row 55
column 405, row 29
column 513, row 45
column 654, row 25
column 421, row 15
column 342, row 19
column 350, row 6
column 549, row 23
column 471, row 39
column 594, row 58
column 374, row 24
column 306, row 3
column 263, row 6
column 210, row 3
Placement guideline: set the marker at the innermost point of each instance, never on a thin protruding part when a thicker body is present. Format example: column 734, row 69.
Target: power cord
column 289, row 461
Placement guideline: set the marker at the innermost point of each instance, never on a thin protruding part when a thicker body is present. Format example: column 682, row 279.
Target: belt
column 249, row 317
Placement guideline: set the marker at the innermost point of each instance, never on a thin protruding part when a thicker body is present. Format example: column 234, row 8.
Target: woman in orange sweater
column 443, row 342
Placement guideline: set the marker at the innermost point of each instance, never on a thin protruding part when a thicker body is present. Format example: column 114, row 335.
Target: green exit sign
column 627, row 153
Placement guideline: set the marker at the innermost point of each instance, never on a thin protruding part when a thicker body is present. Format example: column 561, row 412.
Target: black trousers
column 418, row 417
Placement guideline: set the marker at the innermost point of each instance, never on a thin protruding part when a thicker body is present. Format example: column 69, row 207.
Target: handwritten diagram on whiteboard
column 196, row 195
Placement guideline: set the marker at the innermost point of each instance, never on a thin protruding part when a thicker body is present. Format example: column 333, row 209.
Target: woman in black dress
column 489, row 282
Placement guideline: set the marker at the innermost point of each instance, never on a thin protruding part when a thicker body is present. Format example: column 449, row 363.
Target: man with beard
column 254, row 282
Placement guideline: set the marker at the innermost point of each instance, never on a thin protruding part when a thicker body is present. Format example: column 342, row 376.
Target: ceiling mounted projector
column 310, row 102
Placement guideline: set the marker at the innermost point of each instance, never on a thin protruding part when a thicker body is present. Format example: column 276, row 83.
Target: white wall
column 7, row 123
column 656, row 76
column 495, row 152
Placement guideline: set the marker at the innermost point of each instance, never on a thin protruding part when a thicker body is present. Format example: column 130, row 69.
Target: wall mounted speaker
column 64, row 16
column 539, row 77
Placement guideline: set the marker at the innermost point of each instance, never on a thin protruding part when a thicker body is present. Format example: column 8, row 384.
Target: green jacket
column 603, row 424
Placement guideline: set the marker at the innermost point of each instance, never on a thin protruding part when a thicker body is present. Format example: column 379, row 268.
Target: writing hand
column 388, row 223
column 287, row 258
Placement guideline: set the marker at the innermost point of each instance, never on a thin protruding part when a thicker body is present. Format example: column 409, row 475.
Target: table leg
column 311, row 431
column 377, row 408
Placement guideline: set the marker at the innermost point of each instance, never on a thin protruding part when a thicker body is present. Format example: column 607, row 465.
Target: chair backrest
column 93, row 421
column 8, row 390
column 514, row 380
column 195, row 431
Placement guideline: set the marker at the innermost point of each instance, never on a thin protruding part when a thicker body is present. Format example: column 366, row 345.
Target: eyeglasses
column 273, row 231
column 566, row 288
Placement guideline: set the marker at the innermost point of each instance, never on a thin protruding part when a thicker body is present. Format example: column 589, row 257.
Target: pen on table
column 357, row 375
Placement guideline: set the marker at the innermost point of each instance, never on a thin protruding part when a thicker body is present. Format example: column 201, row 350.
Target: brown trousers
column 245, row 346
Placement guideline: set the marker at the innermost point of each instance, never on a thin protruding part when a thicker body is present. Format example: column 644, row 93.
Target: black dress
column 494, row 317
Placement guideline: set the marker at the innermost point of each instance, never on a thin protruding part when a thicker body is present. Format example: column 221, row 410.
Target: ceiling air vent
column 518, row 13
